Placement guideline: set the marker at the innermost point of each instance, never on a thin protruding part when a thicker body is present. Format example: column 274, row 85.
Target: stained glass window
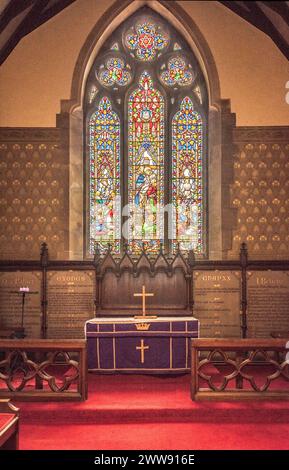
column 187, row 177
column 147, row 40
column 104, row 168
column 145, row 164
column 146, row 108
column 177, row 73
column 114, row 72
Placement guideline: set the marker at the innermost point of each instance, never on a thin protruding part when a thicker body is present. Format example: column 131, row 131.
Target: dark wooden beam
column 13, row 9
column 281, row 8
column 52, row 11
column 23, row 28
column 254, row 14
column 37, row 15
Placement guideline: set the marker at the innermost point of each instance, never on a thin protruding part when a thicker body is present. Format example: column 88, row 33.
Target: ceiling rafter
column 254, row 14
column 39, row 13
column 23, row 28
column 12, row 10
column 282, row 8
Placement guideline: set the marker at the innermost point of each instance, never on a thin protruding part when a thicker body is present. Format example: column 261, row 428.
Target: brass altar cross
column 142, row 348
column 144, row 294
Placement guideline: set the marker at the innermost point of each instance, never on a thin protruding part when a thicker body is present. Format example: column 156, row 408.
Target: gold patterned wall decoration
column 33, row 193
column 260, row 192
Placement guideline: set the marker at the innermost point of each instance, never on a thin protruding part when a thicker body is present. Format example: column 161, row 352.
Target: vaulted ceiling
column 19, row 17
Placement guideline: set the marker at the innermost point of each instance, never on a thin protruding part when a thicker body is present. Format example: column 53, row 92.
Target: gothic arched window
column 146, row 134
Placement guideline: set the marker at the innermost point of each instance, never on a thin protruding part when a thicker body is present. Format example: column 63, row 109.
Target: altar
column 143, row 345
column 143, row 320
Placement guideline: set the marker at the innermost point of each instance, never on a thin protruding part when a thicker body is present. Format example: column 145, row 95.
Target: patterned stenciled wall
column 33, row 192
column 34, row 174
column 260, row 192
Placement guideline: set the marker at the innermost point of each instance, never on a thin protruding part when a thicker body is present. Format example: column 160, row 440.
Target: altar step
column 143, row 399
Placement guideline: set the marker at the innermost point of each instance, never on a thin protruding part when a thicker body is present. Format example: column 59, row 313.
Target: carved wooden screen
column 146, row 109
column 169, row 278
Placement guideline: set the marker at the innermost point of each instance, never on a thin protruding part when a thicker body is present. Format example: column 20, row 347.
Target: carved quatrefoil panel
column 59, row 371
column 257, row 368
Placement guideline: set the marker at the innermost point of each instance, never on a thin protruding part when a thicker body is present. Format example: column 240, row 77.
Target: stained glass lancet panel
column 187, row 178
column 145, row 165
column 104, row 168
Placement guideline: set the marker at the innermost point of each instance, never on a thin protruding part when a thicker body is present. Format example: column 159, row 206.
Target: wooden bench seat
column 9, row 426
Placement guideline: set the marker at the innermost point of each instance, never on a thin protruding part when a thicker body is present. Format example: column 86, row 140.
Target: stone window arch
column 145, row 116
column 174, row 20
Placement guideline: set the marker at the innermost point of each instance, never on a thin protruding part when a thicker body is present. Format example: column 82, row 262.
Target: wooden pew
column 9, row 425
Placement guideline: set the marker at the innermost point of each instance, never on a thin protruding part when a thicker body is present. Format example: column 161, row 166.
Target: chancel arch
column 144, row 129
column 93, row 78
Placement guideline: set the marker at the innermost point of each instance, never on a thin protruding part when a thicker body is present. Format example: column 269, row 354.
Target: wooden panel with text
column 217, row 303
column 268, row 302
column 11, row 302
column 70, row 303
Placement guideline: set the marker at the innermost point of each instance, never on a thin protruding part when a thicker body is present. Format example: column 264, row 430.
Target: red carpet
column 144, row 412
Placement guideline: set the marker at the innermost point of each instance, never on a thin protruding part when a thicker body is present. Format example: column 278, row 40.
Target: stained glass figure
column 187, row 177
column 177, row 73
column 114, row 73
column 104, row 161
column 146, row 40
column 145, row 165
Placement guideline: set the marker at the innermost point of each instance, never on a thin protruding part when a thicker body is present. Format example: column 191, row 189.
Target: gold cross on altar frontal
column 144, row 294
column 142, row 348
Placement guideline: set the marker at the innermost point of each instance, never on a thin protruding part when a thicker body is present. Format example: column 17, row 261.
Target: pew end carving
column 9, row 425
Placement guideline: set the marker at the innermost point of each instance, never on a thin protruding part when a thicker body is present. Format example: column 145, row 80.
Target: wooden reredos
column 168, row 277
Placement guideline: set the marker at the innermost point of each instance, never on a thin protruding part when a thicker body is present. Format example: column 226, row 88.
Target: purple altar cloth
column 128, row 345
